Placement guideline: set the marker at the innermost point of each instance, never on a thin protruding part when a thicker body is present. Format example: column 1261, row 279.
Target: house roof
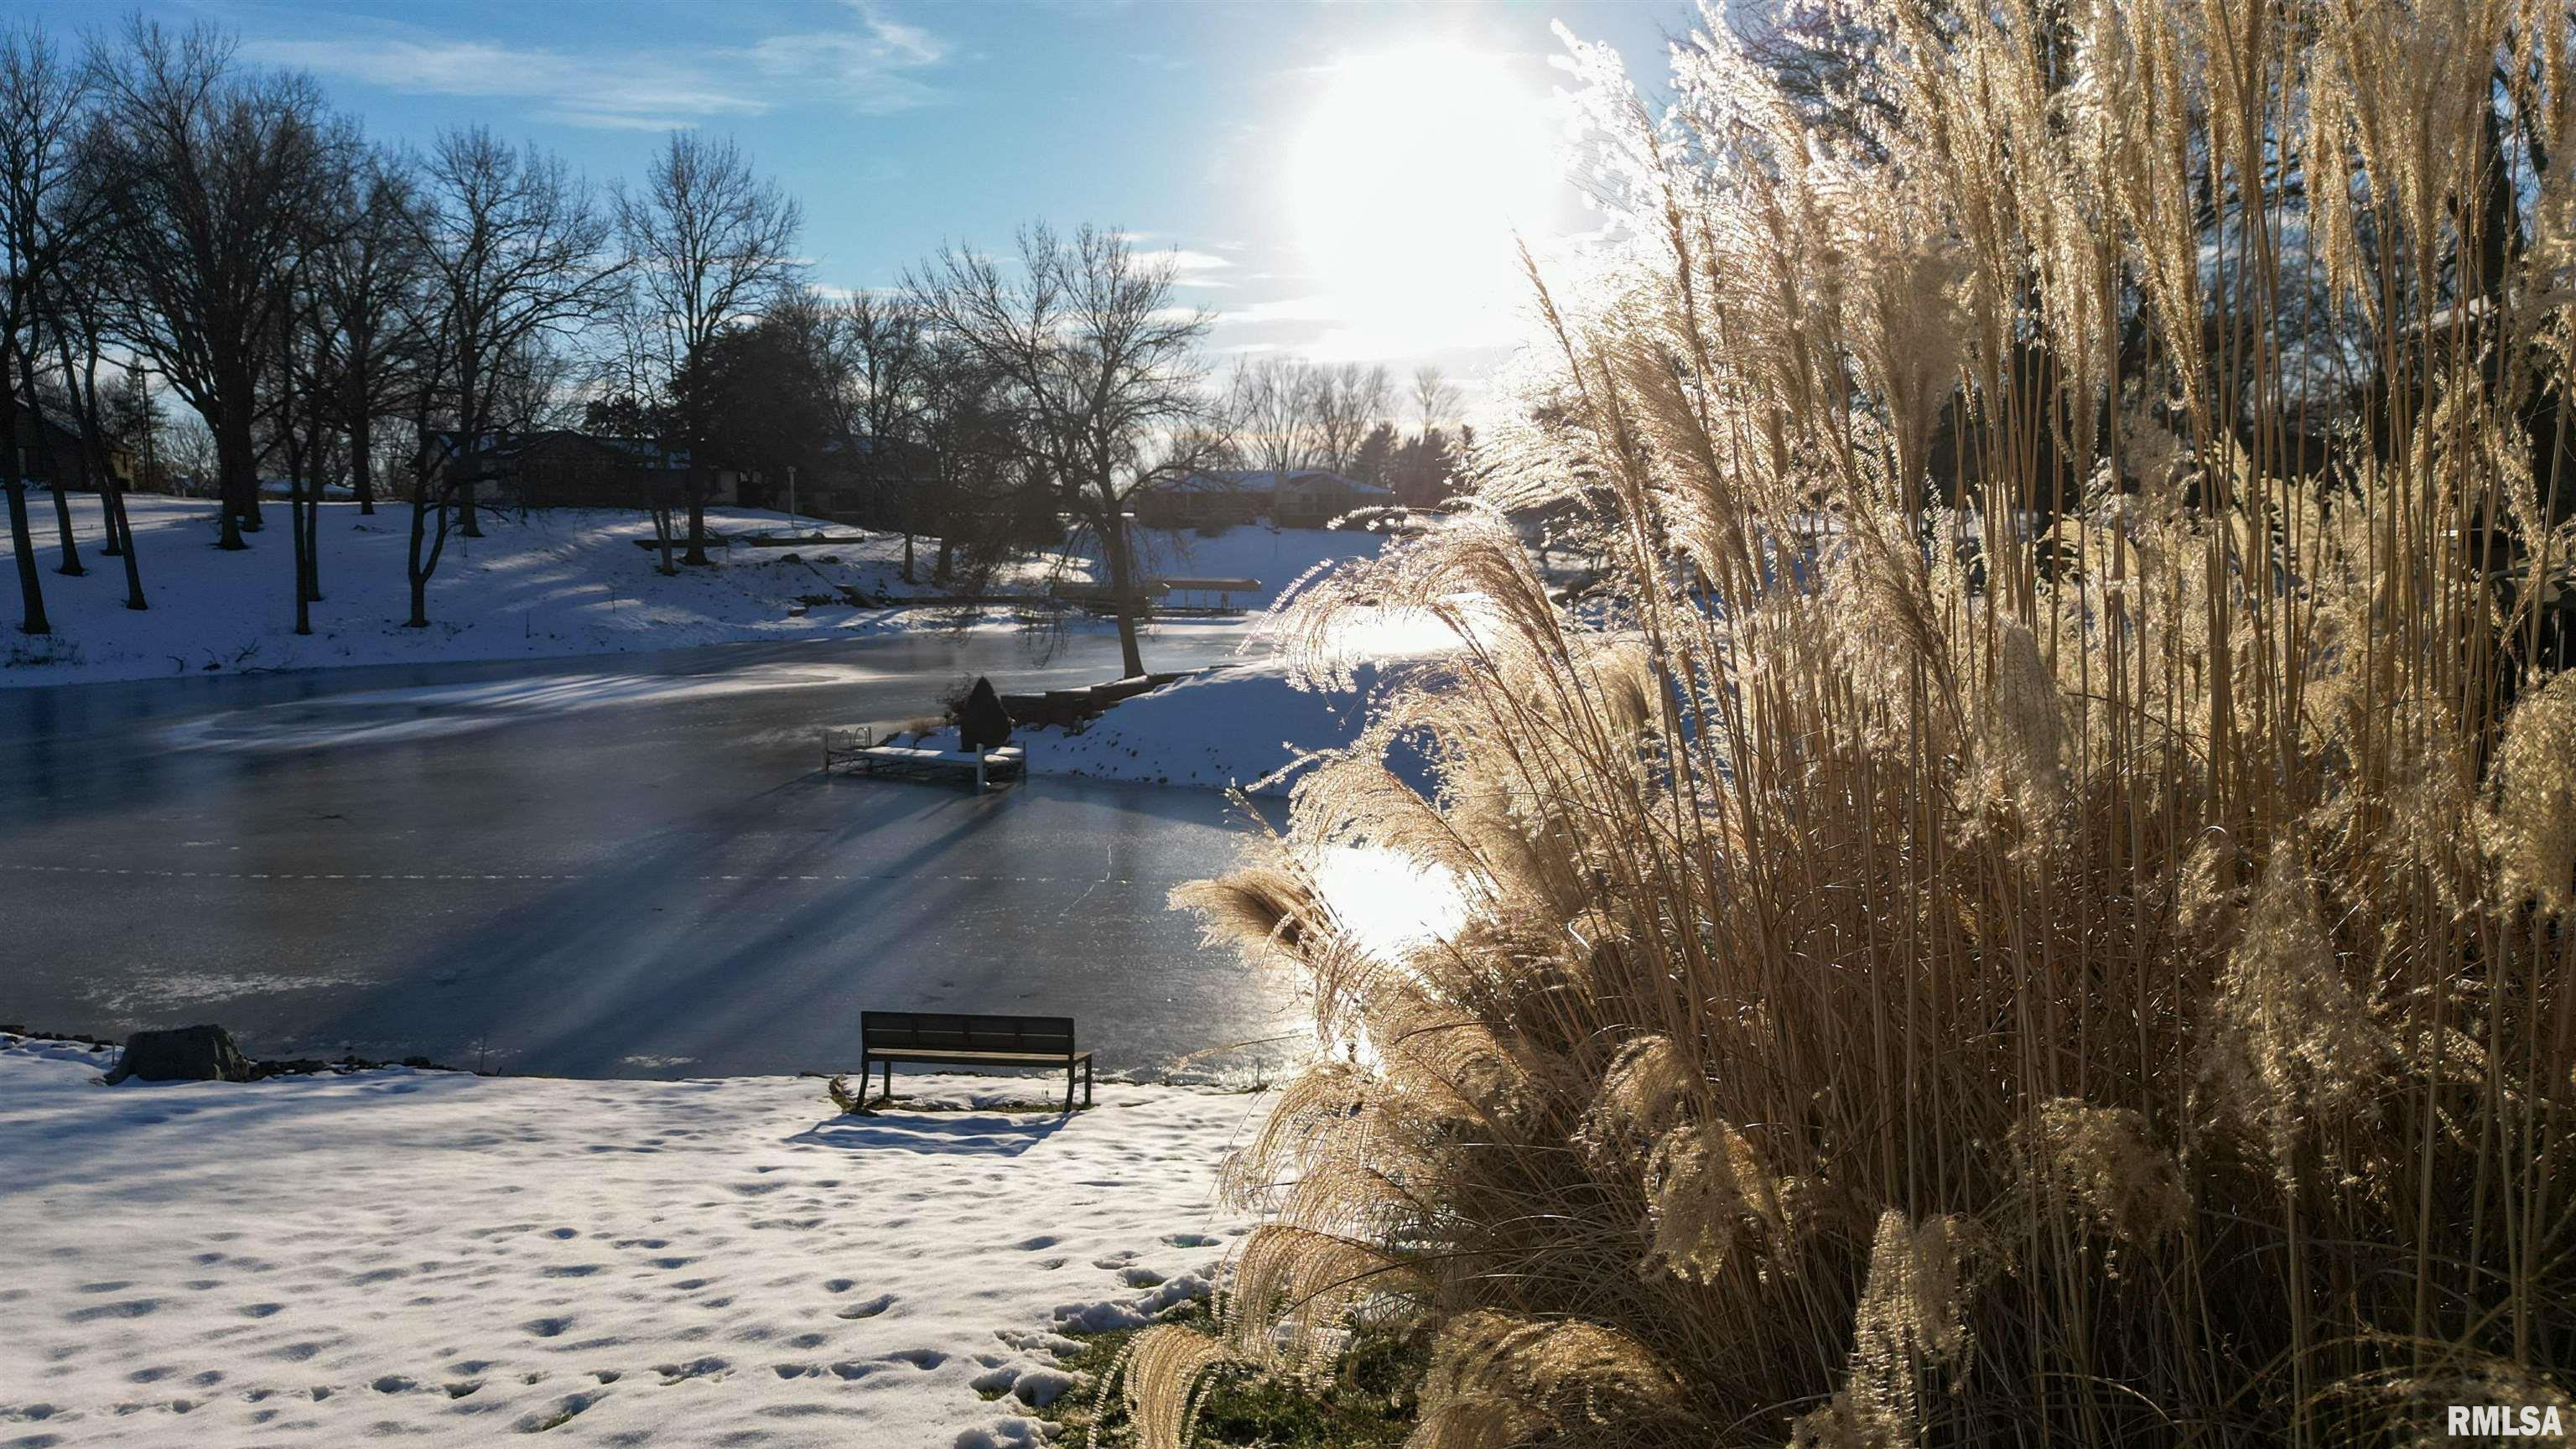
column 648, row 452
column 1261, row 480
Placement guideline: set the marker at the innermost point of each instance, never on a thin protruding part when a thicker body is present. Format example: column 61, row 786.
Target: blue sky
column 1223, row 129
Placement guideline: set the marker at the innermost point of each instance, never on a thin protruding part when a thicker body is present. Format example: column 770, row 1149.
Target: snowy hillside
column 1278, row 557
column 554, row 582
column 447, row 1258
column 1233, row 726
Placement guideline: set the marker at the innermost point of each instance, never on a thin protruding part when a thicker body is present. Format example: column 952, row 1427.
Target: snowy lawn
column 553, row 582
column 1239, row 725
column 547, row 583
column 448, row 1258
column 1278, row 557
column 1243, row 724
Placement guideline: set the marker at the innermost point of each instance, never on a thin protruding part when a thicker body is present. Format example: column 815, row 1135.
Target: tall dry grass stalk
column 2104, row 983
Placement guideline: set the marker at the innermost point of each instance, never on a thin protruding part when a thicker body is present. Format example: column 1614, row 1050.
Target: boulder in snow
column 204, row 1053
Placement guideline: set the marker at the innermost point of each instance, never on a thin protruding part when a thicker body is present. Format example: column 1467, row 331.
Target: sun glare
column 1409, row 178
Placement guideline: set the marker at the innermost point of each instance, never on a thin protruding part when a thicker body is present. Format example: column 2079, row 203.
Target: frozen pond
column 612, row 865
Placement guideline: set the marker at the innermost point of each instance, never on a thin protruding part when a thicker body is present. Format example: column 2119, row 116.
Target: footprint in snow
column 1190, row 1240
column 1031, row 1245
column 870, row 1308
column 546, row 1327
column 564, row 1411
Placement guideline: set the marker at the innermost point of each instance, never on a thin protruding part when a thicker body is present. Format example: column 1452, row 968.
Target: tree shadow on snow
column 954, row 1134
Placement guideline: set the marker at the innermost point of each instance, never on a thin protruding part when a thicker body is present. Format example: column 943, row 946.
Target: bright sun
column 1412, row 172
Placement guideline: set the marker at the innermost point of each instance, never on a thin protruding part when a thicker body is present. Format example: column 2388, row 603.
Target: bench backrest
column 948, row 1032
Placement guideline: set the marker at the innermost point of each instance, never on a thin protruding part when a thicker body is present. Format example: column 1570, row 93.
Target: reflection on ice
column 389, row 715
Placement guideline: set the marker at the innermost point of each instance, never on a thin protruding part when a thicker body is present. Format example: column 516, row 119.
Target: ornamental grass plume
column 2032, row 903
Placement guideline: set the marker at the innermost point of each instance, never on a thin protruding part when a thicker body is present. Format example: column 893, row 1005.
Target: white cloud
column 870, row 67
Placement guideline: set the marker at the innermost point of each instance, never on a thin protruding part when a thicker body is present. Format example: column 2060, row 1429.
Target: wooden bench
column 944, row 1039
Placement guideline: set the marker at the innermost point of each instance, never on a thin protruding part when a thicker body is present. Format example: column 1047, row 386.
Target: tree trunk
column 419, row 571
column 237, row 475
column 362, row 459
column 1122, row 589
column 295, row 528
column 53, row 469
column 133, row 567
column 313, row 543
column 698, row 490
column 31, row 588
column 71, row 563
column 22, row 543
column 662, row 534
column 111, row 488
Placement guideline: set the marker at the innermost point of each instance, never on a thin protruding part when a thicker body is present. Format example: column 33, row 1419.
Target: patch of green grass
column 1367, row 1404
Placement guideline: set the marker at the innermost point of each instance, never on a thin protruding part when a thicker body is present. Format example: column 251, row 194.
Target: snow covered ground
column 1243, row 724
column 551, row 582
column 448, row 1258
column 1239, row 725
column 1277, row 557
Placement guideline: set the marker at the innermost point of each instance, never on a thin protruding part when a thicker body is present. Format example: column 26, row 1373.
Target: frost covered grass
column 450, row 1258
column 1367, row 1404
column 2115, row 987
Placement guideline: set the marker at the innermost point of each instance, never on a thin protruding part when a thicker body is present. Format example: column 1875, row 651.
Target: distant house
column 559, row 468
column 867, row 481
column 1214, row 498
column 59, row 449
column 1313, row 499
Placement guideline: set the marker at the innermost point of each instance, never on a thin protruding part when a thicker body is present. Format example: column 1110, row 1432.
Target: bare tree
column 1349, row 400
column 1271, row 403
column 215, row 175
column 1102, row 364
column 710, row 240
column 366, row 280
column 1434, row 400
column 514, row 252
column 889, row 371
column 79, row 313
column 43, row 111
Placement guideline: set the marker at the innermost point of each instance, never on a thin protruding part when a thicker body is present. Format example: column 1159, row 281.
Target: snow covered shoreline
column 449, row 1257
column 549, row 583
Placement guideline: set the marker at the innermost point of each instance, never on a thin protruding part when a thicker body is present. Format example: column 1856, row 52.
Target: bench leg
column 1068, row 1086
column 865, row 1068
column 1086, row 1082
column 889, row 1083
